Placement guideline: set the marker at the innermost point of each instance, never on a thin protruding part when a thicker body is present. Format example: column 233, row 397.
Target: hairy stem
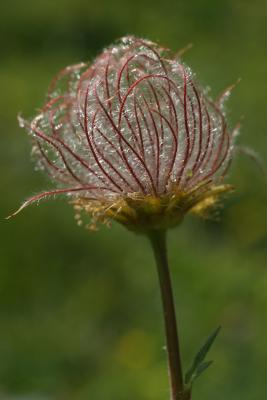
column 158, row 242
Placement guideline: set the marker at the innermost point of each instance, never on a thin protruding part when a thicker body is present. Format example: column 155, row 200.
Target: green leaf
column 202, row 367
column 199, row 365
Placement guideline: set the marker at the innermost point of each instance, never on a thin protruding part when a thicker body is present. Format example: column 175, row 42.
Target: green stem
column 158, row 242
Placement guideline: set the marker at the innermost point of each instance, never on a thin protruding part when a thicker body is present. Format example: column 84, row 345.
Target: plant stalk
column 158, row 242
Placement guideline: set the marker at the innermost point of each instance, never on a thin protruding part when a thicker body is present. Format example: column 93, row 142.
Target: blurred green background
column 80, row 314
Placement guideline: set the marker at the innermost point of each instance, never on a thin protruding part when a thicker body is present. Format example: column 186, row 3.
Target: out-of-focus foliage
column 80, row 315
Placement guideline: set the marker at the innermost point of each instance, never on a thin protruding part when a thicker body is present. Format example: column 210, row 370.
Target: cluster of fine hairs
column 133, row 122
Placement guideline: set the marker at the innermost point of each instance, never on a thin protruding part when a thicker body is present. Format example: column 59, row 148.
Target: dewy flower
column 132, row 137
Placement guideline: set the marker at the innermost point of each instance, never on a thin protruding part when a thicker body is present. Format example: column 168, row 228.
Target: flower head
column 132, row 137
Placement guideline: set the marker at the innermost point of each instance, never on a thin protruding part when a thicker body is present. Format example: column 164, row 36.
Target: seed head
column 132, row 137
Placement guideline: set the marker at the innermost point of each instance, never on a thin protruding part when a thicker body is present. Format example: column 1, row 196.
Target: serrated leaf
column 199, row 365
